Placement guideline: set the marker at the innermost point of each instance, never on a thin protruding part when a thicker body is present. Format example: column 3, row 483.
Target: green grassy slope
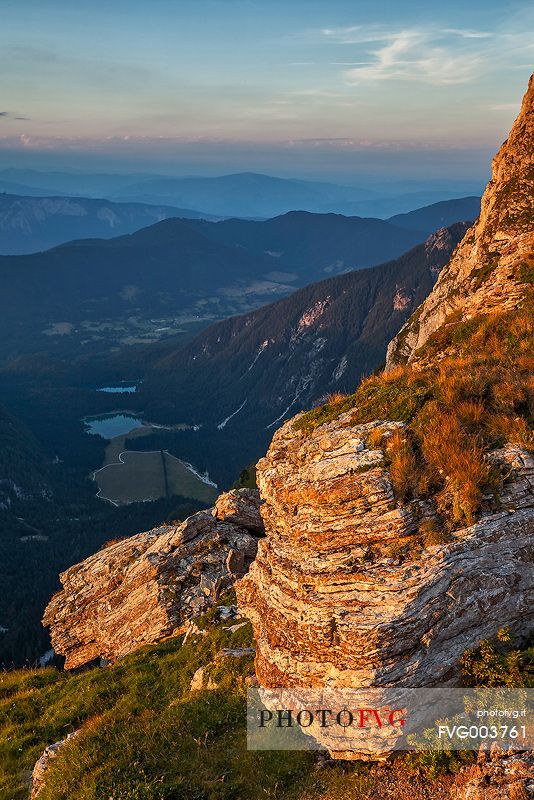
column 146, row 736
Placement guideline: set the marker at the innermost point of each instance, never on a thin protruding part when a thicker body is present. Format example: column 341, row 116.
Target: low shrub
column 499, row 662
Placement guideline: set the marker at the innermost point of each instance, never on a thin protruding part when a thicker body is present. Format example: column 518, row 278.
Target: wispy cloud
column 468, row 34
column 505, row 107
column 356, row 34
column 410, row 56
column 360, row 34
column 439, row 56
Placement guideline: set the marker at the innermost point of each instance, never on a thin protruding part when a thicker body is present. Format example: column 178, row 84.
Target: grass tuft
column 475, row 393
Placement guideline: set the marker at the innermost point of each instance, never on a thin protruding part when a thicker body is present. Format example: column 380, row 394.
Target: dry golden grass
column 515, row 430
column 472, row 392
column 470, row 414
column 483, row 398
column 393, row 375
column 432, row 532
column 455, row 458
column 375, row 438
column 404, row 466
column 110, row 543
column 336, row 397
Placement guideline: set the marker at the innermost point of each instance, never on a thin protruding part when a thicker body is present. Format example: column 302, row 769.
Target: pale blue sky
column 309, row 88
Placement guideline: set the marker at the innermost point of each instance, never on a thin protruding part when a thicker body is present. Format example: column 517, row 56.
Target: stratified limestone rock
column 490, row 267
column 497, row 775
column 347, row 590
column 335, row 601
column 144, row 588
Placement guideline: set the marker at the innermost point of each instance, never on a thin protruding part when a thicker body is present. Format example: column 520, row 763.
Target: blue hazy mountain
column 31, row 224
column 245, row 194
column 177, row 273
column 439, row 215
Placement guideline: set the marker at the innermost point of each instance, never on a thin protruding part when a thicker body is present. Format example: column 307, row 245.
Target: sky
column 345, row 91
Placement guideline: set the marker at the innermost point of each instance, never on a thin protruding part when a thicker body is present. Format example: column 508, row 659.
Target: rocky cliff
column 144, row 588
column 400, row 519
column 494, row 262
column 343, row 591
column 497, row 775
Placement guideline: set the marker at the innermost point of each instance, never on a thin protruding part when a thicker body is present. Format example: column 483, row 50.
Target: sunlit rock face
column 491, row 266
column 145, row 588
column 332, row 601
column 345, row 591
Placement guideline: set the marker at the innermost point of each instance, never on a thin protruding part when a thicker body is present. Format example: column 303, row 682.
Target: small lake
column 122, row 389
column 112, row 425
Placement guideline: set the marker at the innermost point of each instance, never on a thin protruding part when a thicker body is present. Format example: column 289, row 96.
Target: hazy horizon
column 335, row 92
column 372, row 184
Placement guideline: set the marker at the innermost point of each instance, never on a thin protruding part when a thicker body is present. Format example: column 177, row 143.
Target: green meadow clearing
column 143, row 476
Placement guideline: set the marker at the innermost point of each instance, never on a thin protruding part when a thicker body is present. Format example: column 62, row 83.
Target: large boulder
column 145, row 588
column 343, row 591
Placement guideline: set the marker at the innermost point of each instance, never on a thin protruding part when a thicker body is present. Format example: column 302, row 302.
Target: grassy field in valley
column 139, row 476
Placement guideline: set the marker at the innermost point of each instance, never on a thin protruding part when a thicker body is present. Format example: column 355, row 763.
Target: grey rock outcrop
column 497, row 775
column 145, row 588
column 42, row 764
column 331, row 601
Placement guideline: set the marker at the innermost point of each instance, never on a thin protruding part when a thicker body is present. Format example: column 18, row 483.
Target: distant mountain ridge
column 32, row 224
column 439, row 215
column 89, row 184
column 244, row 194
column 284, row 357
column 315, row 244
column 173, row 274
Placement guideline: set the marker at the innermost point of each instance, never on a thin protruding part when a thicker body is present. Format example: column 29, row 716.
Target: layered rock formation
column 144, row 588
column 492, row 264
column 342, row 592
column 346, row 589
